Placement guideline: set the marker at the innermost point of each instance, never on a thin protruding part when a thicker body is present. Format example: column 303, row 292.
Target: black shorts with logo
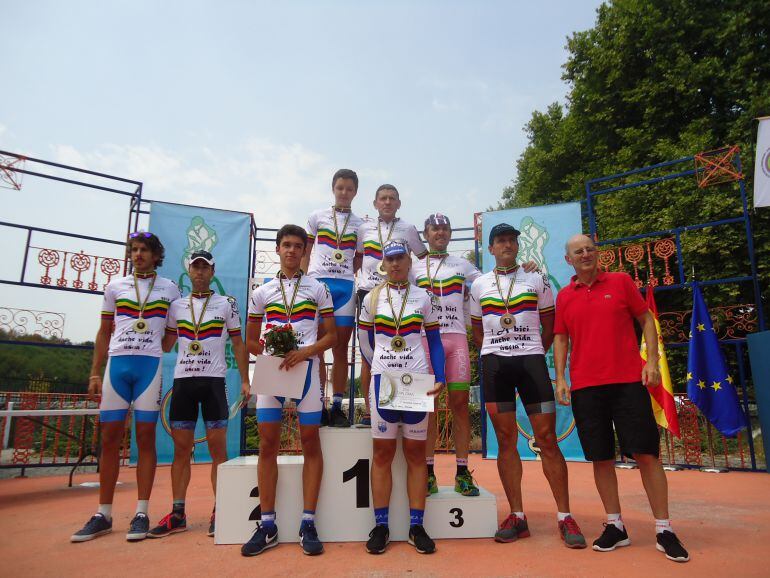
column 526, row 374
column 628, row 408
column 208, row 392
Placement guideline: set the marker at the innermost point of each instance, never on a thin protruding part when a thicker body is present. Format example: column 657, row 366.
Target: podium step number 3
column 344, row 512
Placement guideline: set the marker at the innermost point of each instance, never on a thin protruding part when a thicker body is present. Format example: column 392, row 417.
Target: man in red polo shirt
column 596, row 313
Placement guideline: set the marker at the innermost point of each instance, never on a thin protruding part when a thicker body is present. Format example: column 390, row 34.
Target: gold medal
column 140, row 325
column 435, row 301
column 381, row 269
column 507, row 321
column 398, row 344
column 338, row 256
column 195, row 347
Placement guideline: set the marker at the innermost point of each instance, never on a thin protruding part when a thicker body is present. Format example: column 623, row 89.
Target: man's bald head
column 577, row 240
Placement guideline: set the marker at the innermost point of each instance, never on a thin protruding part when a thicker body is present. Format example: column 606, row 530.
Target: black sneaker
column 337, row 418
column 419, row 538
column 170, row 524
column 378, row 539
column 670, row 544
column 260, row 540
column 308, row 539
column 212, row 527
column 611, row 538
column 324, row 417
column 138, row 528
column 97, row 526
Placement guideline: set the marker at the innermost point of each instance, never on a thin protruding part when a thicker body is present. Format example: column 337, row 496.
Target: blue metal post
column 745, row 396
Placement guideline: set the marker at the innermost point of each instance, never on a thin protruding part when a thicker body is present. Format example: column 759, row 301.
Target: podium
column 345, row 510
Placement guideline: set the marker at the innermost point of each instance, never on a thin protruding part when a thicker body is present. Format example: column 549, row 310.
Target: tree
column 656, row 80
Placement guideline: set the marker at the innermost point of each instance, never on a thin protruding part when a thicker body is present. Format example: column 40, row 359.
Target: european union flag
column 709, row 385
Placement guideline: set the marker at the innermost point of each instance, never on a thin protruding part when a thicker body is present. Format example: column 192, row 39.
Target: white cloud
column 279, row 183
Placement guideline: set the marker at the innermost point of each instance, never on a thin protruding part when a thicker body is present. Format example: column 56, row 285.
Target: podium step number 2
column 344, row 512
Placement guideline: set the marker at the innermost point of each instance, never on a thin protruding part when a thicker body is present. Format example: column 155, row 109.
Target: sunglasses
column 144, row 234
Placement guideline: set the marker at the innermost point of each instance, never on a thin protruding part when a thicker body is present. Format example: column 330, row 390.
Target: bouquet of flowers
column 279, row 339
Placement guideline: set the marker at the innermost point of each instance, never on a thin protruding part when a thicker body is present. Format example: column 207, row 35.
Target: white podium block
column 345, row 509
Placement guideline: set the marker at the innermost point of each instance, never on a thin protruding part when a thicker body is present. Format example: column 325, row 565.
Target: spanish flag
column 662, row 394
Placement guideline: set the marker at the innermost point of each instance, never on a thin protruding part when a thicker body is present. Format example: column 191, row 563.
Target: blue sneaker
column 260, row 540
column 308, row 539
column 97, row 526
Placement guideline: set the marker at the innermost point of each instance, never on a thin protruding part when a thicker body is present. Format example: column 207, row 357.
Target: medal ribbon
column 398, row 319
column 379, row 231
column 197, row 325
column 427, row 267
column 510, row 288
column 138, row 298
column 337, row 235
column 289, row 307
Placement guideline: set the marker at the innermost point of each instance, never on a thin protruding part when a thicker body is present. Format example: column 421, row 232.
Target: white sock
column 142, row 506
column 519, row 515
column 615, row 519
column 105, row 510
column 561, row 515
column 663, row 525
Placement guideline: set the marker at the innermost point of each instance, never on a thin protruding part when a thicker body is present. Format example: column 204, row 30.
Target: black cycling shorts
column 504, row 376
column 190, row 392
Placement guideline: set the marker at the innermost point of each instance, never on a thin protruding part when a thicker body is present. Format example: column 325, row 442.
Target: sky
column 252, row 106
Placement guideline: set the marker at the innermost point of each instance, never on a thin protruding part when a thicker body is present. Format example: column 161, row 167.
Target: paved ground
column 722, row 518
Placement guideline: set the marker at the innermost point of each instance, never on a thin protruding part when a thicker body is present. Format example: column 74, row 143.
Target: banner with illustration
column 184, row 229
column 544, row 232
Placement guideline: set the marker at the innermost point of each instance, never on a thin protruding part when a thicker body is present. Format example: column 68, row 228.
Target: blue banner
column 225, row 234
column 544, row 232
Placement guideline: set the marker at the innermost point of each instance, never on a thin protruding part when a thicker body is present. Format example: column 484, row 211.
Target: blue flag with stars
column 709, row 385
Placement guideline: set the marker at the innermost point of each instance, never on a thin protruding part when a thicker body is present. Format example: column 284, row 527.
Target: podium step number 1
column 344, row 512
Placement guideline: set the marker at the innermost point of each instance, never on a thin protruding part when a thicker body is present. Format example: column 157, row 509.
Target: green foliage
column 44, row 369
column 653, row 81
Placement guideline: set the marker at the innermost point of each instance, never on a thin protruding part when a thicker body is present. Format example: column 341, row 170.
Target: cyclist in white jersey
column 202, row 323
column 447, row 279
column 301, row 302
column 330, row 257
column 372, row 234
column 508, row 307
column 392, row 318
column 133, row 324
